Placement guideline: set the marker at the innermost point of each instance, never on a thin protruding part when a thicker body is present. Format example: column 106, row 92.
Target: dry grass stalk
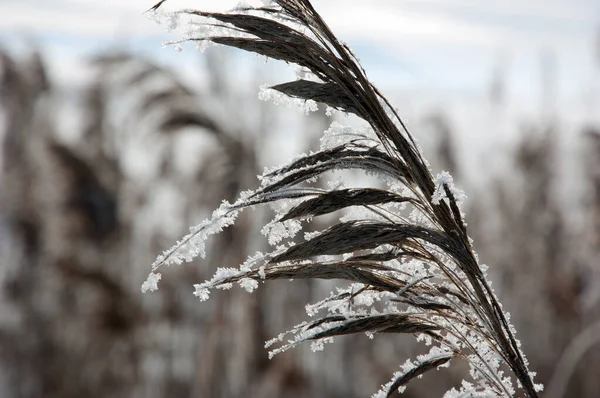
column 413, row 274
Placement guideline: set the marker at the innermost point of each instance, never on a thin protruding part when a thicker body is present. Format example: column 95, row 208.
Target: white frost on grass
column 442, row 181
column 151, row 283
column 249, row 284
column 268, row 94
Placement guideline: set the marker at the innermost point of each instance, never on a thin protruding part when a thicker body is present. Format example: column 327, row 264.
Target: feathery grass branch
column 417, row 274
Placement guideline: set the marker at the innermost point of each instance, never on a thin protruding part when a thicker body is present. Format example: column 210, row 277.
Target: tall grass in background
column 403, row 251
column 78, row 220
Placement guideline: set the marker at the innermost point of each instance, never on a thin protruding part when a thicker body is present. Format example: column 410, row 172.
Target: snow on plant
column 405, row 249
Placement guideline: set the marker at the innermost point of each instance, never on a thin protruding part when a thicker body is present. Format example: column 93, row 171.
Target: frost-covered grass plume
column 404, row 248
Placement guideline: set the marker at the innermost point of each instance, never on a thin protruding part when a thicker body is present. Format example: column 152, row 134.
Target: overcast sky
column 422, row 44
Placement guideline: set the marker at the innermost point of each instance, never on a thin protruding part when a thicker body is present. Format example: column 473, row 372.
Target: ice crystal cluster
column 403, row 251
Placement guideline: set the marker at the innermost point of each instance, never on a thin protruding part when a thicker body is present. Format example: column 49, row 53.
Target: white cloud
column 378, row 23
column 546, row 9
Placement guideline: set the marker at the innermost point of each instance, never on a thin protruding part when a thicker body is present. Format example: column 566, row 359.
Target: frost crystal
column 261, row 272
column 268, row 94
column 151, row 283
column 442, row 181
column 277, row 231
column 201, row 292
column 249, row 284
column 338, row 134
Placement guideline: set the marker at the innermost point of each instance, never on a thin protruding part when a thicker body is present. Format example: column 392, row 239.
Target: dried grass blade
column 422, row 368
column 327, row 93
column 352, row 236
column 339, row 199
column 369, row 274
column 389, row 323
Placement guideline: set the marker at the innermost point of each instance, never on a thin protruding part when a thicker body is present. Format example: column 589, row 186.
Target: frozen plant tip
column 405, row 251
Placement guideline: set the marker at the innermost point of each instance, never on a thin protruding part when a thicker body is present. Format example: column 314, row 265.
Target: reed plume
column 404, row 249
